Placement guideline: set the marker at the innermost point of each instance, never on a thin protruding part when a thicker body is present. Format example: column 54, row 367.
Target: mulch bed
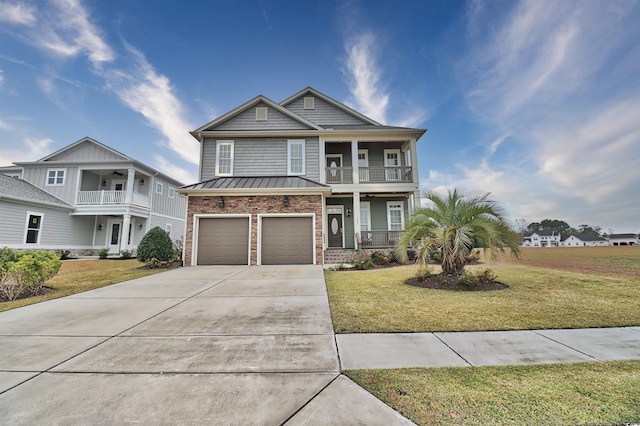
column 30, row 293
column 450, row 282
column 170, row 265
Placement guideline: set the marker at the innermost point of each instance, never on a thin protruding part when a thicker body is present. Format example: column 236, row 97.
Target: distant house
column 542, row 238
column 623, row 239
column 85, row 197
column 585, row 239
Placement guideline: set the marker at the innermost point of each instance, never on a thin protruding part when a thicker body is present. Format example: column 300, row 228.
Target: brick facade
column 254, row 205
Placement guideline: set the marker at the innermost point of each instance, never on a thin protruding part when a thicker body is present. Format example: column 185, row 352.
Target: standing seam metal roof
column 257, row 182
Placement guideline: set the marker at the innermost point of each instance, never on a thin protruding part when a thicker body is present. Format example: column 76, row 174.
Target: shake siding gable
column 246, row 120
column 323, row 114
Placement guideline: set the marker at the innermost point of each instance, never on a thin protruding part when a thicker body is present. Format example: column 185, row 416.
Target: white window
column 365, row 216
column 55, row 177
column 13, row 175
column 395, row 215
column 167, row 228
column 295, row 153
column 224, row 158
column 34, row 225
column 171, row 192
column 159, row 188
column 261, row 113
column 309, row 102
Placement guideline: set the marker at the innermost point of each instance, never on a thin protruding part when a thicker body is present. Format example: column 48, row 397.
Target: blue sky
column 537, row 102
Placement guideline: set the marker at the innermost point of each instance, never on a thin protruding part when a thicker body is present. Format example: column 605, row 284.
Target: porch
column 113, row 188
column 105, row 198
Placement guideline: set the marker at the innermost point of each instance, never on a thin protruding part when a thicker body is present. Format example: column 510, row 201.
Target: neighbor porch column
column 128, row 197
column 356, row 218
column 323, row 161
column 354, row 161
column 126, row 223
column 414, row 172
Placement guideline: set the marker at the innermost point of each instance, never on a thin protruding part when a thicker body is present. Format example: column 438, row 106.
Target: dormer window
column 261, row 113
column 309, row 102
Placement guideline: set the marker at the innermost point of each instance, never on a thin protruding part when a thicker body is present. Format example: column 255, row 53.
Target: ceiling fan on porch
column 117, row 173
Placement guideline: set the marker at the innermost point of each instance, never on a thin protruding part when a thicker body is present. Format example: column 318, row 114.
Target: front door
column 392, row 163
column 334, row 165
column 335, row 230
column 114, row 237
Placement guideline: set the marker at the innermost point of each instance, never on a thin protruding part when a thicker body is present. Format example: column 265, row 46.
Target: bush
column 473, row 258
column 25, row 272
column 434, row 255
column 473, row 279
column 155, row 244
column 154, row 263
column 362, row 261
column 380, row 257
column 126, row 254
column 63, row 254
column 103, row 253
column 177, row 249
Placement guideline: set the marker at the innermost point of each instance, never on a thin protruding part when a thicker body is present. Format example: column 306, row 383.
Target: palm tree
column 453, row 224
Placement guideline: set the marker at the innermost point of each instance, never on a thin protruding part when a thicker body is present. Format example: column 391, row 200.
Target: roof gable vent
column 261, row 113
column 309, row 102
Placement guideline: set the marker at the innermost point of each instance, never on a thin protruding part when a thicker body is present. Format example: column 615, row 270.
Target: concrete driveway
column 205, row 345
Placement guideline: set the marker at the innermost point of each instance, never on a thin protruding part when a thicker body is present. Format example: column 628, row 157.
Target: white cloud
column 30, row 149
column 171, row 169
column 17, row 13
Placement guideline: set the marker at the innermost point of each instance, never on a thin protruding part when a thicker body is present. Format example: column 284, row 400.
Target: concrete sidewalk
column 404, row 350
column 212, row 345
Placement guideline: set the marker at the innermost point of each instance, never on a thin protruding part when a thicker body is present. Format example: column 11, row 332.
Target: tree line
column 561, row 227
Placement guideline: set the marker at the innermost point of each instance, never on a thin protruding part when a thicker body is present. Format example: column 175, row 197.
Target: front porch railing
column 379, row 239
column 399, row 174
column 101, row 198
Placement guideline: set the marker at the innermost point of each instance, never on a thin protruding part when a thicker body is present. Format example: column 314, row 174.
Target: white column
column 414, row 173
column 323, row 160
column 356, row 217
column 126, row 221
column 129, row 194
column 354, row 161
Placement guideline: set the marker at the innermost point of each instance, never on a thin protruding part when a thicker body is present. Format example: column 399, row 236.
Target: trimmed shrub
column 63, row 254
column 25, row 272
column 103, row 253
column 126, row 254
column 155, row 244
column 362, row 261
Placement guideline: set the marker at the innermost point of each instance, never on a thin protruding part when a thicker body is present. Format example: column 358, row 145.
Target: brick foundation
column 254, row 205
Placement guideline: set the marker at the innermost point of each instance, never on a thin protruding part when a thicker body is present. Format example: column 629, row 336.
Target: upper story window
column 34, row 224
column 171, row 192
column 159, row 188
column 167, row 228
column 395, row 215
column 261, row 113
column 224, row 158
column 295, row 157
column 55, row 177
column 13, row 175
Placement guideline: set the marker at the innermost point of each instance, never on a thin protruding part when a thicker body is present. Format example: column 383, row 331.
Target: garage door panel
column 287, row 240
column 223, row 241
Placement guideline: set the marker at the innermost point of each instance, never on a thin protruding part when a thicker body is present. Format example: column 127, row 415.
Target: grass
column 81, row 275
column 378, row 301
column 561, row 394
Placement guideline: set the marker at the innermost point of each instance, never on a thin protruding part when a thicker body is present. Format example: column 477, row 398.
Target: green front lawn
column 77, row 276
column 378, row 301
column 562, row 394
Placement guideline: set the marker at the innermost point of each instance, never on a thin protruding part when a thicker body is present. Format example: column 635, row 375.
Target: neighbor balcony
column 110, row 198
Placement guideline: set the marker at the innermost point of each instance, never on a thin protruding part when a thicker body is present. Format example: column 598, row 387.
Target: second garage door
column 223, row 241
column 287, row 241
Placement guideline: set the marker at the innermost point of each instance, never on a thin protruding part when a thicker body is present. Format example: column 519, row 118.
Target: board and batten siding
column 87, row 152
column 276, row 120
column 38, row 176
column 162, row 204
column 59, row 229
column 323, row 114
column 261, row 157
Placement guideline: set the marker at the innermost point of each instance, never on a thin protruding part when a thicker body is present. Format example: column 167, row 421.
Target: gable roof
column 256, row 185
column 623, row 236
column 543, row 233
column 329, row 100
column 23, row 191
column 245, row 106
column 587, row 236
column 85, row 140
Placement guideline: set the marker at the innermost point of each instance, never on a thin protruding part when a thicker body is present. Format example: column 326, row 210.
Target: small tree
column 155, row 244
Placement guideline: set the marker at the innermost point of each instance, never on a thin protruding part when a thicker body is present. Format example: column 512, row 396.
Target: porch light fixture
column 221, row 202
column 348, row 212
column 285, row 201
column 140, row 226
column 99, row 227
column 104, row 182
column 141, row 182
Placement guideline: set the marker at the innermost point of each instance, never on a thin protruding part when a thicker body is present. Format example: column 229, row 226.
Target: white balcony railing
column 102, row 198
column 398, row 174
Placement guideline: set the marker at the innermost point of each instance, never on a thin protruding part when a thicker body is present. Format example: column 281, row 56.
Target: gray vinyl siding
column 177, row 226
column 162, row 204
column 324, row 114
column 38, row 177
column 262, row 157
column 87, row 152
column 58, row 229
column 246, row 120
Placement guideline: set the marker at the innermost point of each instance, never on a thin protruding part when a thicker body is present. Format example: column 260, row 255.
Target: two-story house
column 304, row 181
column 85, row 197
column 542, row 238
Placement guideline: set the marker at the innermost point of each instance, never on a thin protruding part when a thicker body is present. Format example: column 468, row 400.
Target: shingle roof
column 258, row 183
column 18, row 189
column 543, row 233
column 623, row 236
column 589, row 236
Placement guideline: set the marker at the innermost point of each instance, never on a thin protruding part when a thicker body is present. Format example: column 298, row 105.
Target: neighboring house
column 542, row 238
column 585, row 240
column 623, row 239
column 83, row 198
column 304, row 181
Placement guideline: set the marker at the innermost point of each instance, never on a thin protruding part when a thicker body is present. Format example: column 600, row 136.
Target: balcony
column 379, row 239
column 110, row 198
column 396, row 174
